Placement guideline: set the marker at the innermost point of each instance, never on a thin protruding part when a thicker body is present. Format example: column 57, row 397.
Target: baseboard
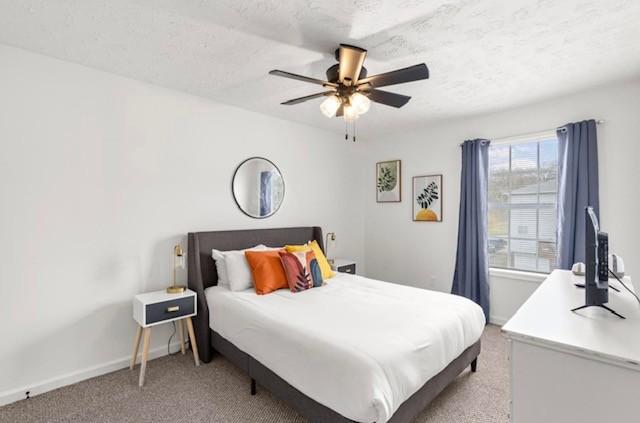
column 7, row 397
column 497, row 320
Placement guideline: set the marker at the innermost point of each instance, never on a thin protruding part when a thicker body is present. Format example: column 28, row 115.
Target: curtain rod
column 598, row 122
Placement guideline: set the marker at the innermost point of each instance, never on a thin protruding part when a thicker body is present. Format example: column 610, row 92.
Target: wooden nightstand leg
column 192, row 339
column 181, row 334
column 136, row 345
column 146, row 334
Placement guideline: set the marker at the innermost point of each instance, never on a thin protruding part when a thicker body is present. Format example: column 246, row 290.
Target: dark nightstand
column 344, row 266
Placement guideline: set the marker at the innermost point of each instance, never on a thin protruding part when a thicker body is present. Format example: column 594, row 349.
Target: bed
column 343, row 352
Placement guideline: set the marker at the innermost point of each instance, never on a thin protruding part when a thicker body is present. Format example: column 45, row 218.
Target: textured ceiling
column 483, row 55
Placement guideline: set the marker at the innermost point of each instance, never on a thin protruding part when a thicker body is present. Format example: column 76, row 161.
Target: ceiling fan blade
column 340, row 111
column 400, row 76
column 351, row 59
column 387, row 98
column 301, row 78
column 308, row 97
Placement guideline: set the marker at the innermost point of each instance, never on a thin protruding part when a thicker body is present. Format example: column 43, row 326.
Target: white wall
column 100, row 176
column 423, row 253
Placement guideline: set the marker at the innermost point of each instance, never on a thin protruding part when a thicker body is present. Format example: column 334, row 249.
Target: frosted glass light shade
column 350, row 113
column 179, row 262
column 330, row 106
column 360, row 103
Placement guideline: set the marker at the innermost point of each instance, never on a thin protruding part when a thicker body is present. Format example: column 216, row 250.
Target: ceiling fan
column 350, row 91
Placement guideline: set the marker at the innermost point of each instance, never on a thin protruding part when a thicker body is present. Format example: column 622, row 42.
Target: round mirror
column 258, row 187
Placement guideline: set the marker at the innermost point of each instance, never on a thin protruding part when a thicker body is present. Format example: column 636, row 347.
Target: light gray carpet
column 177, row 391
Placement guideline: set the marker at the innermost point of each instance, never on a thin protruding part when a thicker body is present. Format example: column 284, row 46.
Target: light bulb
column 350, row 113
column 360, row 103
column 330, row 106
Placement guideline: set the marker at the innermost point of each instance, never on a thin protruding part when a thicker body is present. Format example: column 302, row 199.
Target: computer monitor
column 596, row 257
column 596, row 261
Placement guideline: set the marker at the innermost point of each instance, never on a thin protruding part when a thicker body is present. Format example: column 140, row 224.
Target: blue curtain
column 471, row 277
column 577, row 188
column 265, row 192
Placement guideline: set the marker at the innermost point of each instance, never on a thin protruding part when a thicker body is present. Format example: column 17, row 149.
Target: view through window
column 523, row 186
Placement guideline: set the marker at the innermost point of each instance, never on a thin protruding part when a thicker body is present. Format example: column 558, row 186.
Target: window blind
column 523, row 186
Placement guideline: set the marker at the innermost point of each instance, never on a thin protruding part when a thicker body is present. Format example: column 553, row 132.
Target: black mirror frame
column 234, row 194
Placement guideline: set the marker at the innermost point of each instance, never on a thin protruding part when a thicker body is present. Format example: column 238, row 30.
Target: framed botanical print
column 427, row 198
column 388, row 182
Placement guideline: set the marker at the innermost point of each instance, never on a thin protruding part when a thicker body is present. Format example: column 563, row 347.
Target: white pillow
column 220, row 259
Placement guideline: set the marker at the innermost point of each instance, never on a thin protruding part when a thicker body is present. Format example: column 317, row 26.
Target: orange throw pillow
column 266, row 268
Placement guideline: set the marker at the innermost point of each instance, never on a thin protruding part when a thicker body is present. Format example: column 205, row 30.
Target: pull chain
column 354, row 130
column 346, row 130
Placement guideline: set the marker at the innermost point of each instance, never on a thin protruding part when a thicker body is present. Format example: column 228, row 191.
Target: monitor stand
column 599, row 305
column 581, row 285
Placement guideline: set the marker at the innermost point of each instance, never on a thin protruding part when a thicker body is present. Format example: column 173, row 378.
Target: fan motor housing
column 333, row 72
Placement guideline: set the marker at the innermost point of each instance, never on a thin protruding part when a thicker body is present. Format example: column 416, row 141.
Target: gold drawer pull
column 172, row 309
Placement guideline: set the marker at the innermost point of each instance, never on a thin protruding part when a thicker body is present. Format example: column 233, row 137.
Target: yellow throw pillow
column 325, row 267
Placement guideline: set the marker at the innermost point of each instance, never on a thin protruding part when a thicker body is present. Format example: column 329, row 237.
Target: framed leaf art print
column 427, row 198
column 388, row 182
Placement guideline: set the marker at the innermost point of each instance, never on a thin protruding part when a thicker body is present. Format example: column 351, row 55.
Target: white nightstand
column 157, row 307
column 344, row 266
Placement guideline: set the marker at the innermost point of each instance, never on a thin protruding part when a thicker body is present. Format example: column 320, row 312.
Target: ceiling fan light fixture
column 360, row 103
column 330, row 106
column 349, row 90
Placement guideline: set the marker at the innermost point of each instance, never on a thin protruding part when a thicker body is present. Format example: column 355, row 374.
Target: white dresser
column 574, row 367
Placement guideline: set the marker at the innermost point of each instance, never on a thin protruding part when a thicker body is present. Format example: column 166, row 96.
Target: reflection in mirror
column 258, row 187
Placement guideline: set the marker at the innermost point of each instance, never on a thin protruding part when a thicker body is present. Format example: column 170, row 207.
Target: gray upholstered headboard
column 201, row 267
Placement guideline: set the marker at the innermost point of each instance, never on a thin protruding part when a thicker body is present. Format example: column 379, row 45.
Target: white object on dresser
column 344, row 266
column 574, row 367
column 157, row 307
column 636, row 285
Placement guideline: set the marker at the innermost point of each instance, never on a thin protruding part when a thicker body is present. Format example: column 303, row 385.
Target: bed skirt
column 318, row 413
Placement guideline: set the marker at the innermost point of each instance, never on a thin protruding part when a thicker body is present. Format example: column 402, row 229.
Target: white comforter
column 358, row 346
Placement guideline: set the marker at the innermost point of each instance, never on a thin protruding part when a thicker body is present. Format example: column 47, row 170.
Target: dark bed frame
column 202, row 274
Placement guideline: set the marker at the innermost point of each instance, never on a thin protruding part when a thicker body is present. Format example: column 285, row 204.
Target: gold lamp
column 178, row 262
column 331, row 236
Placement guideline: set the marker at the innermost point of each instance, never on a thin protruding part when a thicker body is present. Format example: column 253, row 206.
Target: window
column 523, row 187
